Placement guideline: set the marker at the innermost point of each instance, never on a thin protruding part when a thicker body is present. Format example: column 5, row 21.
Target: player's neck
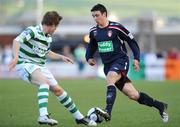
column 104, row 24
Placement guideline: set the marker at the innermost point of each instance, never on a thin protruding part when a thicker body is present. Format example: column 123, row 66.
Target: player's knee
column 111, row 78
column 40, row 81
column 111, row 75
column 57, row 91
column 134, row 96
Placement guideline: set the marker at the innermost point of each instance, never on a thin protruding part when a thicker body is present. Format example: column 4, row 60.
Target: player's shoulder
column 111, row 23
column 93, row 29
column 33, row 28
column 36, row 29
column 118, row 26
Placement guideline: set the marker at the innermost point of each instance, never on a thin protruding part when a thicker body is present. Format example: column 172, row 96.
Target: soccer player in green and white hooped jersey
column 30, row 50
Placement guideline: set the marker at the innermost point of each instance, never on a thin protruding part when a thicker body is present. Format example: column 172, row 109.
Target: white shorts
column 24, row 70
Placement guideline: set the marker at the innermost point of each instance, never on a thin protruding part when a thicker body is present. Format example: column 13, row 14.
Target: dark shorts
column 118, row 66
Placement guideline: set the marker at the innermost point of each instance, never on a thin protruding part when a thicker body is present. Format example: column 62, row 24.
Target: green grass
column 18, row 103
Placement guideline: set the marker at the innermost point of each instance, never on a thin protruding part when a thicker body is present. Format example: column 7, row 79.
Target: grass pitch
column 19, row 108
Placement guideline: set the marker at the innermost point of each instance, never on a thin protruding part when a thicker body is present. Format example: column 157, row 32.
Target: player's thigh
column 51, row 79
column 130, row 91
column 54, row 86
column 25, row 71
column 113, row 72
column 38, row 78
column 112, row 77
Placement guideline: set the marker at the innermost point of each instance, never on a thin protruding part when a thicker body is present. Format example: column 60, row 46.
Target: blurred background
column 155, row 25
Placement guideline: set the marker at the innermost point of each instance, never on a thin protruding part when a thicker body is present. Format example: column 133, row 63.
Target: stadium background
column 156, row 26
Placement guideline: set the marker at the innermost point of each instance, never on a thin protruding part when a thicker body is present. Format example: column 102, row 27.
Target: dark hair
column 99, row 7
column 51, row 18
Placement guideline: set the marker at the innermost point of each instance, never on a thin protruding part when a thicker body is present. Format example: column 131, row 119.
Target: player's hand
column 12, row 64
column 136, row 65
column 67, row 60
column 92, row 62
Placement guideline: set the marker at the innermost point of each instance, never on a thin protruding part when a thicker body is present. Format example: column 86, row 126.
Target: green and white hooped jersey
column 34, row 45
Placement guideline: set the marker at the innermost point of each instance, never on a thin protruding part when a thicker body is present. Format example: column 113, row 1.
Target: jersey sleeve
column 26, row 35
column 125, row 35
column 91, row 48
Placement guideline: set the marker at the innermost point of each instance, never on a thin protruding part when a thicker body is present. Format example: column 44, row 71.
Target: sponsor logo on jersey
column 109, row 33
column 105, row 46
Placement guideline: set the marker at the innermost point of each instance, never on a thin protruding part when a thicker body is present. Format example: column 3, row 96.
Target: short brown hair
column 51, row 18
column 99, row 7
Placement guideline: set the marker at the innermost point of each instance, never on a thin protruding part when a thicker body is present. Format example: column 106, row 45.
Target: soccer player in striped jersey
column 109, row 39
column 30, row 50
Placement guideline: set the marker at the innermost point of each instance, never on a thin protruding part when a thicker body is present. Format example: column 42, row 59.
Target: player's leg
column 112, row 75
column 66, row 100
column 69, row 104
column 43, row 93
column 144, row 99
column 120, row 83
column 111, row 78
column 129, row 90
column 31, row 73
column 149, row 101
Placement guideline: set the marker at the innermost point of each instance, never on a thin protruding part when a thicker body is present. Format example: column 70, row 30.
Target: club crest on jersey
column 109, row 33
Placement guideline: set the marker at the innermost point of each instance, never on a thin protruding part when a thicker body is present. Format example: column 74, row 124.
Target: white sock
column 43, row 94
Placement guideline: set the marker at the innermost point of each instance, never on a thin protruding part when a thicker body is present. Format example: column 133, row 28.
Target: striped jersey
column 110, row 43
column 34, row 45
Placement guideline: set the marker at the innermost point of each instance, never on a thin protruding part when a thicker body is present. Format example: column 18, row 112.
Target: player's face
column 99, row 17
column 51, row 29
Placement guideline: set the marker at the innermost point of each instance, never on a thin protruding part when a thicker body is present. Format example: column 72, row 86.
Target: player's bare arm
column 15, row 49
column 56, row 56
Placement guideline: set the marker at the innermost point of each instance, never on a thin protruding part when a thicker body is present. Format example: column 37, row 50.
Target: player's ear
column 105, row 14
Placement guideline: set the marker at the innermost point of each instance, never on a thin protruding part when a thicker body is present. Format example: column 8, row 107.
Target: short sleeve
column 26, row 35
